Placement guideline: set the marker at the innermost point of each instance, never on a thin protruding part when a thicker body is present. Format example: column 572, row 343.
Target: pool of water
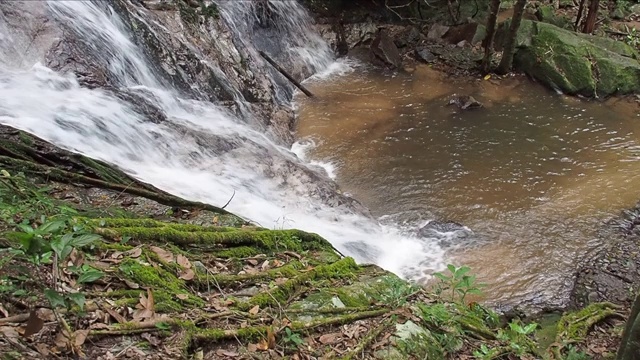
column 534, row 174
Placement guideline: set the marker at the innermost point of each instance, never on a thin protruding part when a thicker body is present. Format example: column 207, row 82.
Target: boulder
column 577, row 64
column 472, row 33
column 384, row 49
column 423, row 54
column 465, row 102
column 436, row 32
column 547, row 14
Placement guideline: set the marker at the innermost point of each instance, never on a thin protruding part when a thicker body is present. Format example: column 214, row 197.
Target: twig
column 228, row 202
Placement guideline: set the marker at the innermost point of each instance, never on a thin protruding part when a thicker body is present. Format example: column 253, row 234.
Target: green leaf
column 441, row 276
column 461, row 271
column 163, row 326
column 78, row 298
column 55, row 299
column 125, row 239
column 451, row 268
column 90, row 276
column 51, row 227
column 59, row 243
column 85, row 239
column 26, row 228
column 530, row 328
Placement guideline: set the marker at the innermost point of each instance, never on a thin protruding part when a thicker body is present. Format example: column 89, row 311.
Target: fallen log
column 286, row 74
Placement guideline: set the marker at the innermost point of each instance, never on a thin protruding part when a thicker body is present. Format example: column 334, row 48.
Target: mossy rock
column 577, row 64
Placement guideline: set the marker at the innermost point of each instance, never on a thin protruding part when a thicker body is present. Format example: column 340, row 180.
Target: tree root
column 265, row 239
column 280, row 294
column 367, row 340
column 69, row 177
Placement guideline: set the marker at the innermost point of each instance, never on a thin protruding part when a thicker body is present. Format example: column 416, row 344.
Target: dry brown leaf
column 277, row 263
column 280, row 281
column 62, row 339
column 215, row 220
column 151, row 339
column 163, row 254
column 34, row 324
column 253, row 262
column 262, row 345
column 4, row 311
column 331, row 338
column 43, row 349
column 99, row 326
column 79, row 336
column 119, row 318
column 222, row 352
column 252, row 348
column 183, row 261
column 150, row 301
column 131, row 284
column 46, row 314
column 135, row 252
column 254, row 310
column 265, row 265
column 188, row 274
column 271, row 338
column 182, row 296
column 9, row 331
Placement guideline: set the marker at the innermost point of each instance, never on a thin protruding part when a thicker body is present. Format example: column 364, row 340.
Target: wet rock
column 423, row 54
column 411, row 36
column 547, row 14
column 446, row 233
column 436, row 32
column 384, row 49
column 160, row 5
column 578, row 64
column 408, row 330
column 465, row 102
column 472, row 33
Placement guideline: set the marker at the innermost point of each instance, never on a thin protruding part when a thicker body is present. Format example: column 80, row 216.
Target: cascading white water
column 266, row 178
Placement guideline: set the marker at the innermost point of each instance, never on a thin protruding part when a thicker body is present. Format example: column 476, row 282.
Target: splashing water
column 177, row 155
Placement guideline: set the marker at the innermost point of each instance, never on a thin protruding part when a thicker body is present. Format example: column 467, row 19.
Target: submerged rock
column 447, row 233
column 577, row 64
column 465, row 102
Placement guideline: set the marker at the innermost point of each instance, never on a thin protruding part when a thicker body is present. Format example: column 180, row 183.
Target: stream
column 533, row 174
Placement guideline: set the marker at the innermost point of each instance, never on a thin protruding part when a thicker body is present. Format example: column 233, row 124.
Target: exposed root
column 367, row 340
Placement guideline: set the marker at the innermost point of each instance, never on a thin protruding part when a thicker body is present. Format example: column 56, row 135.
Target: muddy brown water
column 534, row 174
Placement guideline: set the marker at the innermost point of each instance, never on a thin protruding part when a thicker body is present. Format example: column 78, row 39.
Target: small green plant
column 633, row 37
column 458, row 284
column 292, row 338
column 517, row 336
column 396, row 293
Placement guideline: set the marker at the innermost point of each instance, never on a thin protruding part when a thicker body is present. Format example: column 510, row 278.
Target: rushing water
column 271, row 184
column 533, row 174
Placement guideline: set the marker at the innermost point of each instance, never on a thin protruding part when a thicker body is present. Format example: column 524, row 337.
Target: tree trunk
column 510, row 41
column 592, row 16
column 579, row 16
column 630, row 345
column 494, row 8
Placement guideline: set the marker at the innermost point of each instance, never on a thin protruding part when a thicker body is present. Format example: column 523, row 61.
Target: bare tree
column 494, row 8
column 579, row 16
column 509, row 47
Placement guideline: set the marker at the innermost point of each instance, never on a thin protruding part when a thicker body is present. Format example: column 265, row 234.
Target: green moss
column 165, row 302
column 280, row 295
column 287, row 271
column 574, row 326
column 294, row 240
column 358, row 299
column 237, row 252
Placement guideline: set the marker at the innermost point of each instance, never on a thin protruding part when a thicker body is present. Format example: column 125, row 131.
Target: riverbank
column 99, row 265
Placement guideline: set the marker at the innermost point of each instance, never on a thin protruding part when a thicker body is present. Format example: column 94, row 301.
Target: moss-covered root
column 574, row 326
column 207, row 237
column 63, row 176
column 280, row 295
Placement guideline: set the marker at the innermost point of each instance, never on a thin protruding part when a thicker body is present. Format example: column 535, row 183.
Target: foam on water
column 98, row 124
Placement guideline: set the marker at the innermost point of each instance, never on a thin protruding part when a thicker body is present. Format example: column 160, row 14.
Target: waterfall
column 197, row 150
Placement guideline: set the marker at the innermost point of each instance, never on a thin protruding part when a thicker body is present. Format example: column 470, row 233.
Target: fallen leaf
column 188, row 274
column 271, row 338
column 182, row 296
column 9, row 331
column 215, row 220
column 151, row 339
column 34, row 324
column 487, row 77
column 183, row 261
column 150, row 301
column 135, row 252
column 277, row 263
column 79, row 337
column 99, row 326
column 329, row 338
column 252, row 348
column 265, row 265
column 254, row 310
column 119, row 318
column 4, row 311
column 131, row 284
column 262, row 345
column 163, row 254
column 222, row 352
column 253, row 262
column 46, row 314
column 43, row 349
